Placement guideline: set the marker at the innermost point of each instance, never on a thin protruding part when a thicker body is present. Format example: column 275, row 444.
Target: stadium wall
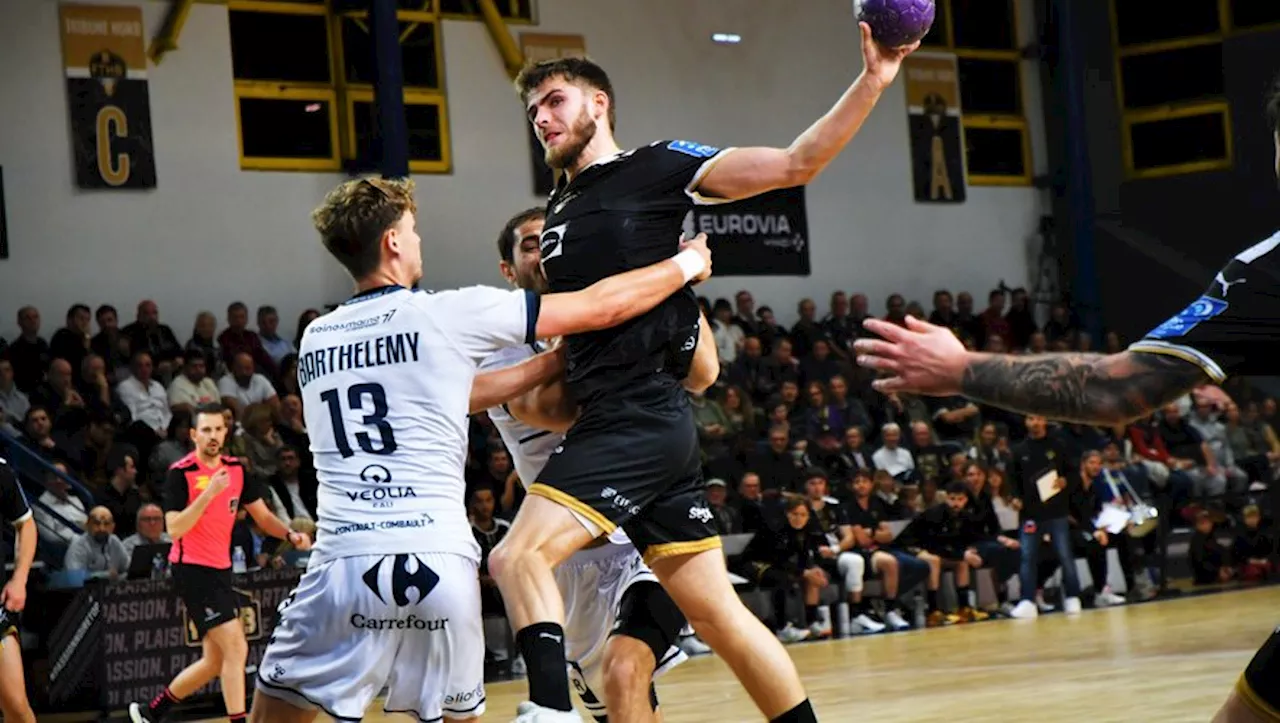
column 210, row 232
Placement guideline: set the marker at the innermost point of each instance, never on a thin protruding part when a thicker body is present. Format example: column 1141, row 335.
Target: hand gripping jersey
column 386, row 385
column 1234, row 327
column 625, row 212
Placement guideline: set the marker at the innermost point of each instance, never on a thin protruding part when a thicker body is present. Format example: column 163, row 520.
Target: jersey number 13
column 375, row 417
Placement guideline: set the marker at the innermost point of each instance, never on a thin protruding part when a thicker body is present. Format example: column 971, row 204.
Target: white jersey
column 386, row 386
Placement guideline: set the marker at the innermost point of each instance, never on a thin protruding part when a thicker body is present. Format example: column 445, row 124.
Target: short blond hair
column 355, row 215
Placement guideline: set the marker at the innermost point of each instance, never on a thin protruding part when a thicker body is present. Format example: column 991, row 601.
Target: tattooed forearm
column 1084, row 388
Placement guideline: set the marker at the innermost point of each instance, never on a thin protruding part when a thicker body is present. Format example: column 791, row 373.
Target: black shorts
column 207, row 594
column 1258, row 686
column 632, row 461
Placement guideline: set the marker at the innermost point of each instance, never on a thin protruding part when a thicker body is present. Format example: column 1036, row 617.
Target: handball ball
column 895, row 23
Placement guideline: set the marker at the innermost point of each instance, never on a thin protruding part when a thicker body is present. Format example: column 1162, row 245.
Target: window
column 1170, row 84
column 984, row 36
column 308, row 104
column 519, row 12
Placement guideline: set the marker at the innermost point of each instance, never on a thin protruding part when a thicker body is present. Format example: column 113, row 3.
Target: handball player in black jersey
column 1232, row 328
column 631, row 458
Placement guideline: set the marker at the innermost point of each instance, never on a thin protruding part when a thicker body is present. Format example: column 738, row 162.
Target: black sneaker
column 139, row 713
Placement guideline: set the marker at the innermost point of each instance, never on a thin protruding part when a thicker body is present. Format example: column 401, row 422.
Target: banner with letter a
column 937, row 132
column 538, row 47
column 105, row 61
column 767, row 235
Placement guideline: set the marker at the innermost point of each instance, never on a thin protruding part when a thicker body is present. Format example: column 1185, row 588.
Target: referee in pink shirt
column 203, row 492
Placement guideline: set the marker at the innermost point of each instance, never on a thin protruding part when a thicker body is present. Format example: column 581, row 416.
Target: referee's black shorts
column 632, row 461
column 208, row 595
column 1259, row 686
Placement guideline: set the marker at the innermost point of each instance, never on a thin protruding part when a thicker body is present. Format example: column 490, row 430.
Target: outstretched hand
column 920, row 359
column 882, row 63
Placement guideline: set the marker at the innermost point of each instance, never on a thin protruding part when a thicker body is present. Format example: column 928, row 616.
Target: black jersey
column 1234, row 327
column 13, row 501
column 625, row 212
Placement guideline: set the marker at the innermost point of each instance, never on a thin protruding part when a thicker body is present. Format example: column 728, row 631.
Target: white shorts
column 355, row 624
column 592, row 583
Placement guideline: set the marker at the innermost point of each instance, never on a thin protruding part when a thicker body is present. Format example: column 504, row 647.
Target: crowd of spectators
column 837, row 483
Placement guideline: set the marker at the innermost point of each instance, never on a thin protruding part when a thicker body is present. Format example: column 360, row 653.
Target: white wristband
column 690, row 262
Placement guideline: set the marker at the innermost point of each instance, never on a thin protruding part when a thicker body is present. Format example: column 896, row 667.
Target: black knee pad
column 1258, row 684
column 648, row 614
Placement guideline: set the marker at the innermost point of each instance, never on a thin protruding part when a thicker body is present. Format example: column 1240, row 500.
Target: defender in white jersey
column 391, row 595
column 617, row 616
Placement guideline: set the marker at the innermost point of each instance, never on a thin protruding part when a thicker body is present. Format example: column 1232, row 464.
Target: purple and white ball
column 895, row 23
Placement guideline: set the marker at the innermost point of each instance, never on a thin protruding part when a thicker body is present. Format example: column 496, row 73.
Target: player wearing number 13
column 392, row 595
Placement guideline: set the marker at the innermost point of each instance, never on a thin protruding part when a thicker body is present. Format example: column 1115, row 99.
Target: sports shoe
column 896, row 621
column 792, row 634
column 1107, row 598
column 692, row 645
column 138, row 713
column 820, row 630
column 868, row 623
column 528, row 712
column 1071, row 606
column 972, row 615
column 1044, row 606
column 1025, row 610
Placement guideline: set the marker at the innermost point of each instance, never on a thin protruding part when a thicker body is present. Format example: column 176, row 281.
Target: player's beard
column 532, row 279
column 570, row 150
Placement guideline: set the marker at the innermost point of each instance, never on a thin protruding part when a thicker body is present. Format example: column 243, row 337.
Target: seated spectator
column 262, row 444
column 488, row 530
column 820, row 416
column 899, row 571
column 714, row 427
column 149, row 335
column 121, row 494
column 727, row 519
column 782, row 365
column 1163, row 471
column 729, row 336
column 149, row 529
column 1094, row 494
column 1210, row 560
column 892, row 458
column 192, row 388
column 58, row 395
column 238, row 339
column 741, row 412
column 955, row 420
column 750, row 502
column 57, row 499
column 109, row 343
column 1249, row 446
column 297, row 489
column 1254, row 550
column 287, row 378
column 38, row 434
column 749, row 371
column 824, row 451
column 771, row 333
column 985, row 450
column 277, row 347
column 29, row 353
column 820, row 366
column 835, row 556
column 1189, row 453
column 887, row 490
column 992, row 547
column 840, row 326
column 176, row 445
column 776, row 465
column 148, row 404
column 242, row 386
column 807, row 331
column 783, row 558
column 1205, row 420
column 945, row 532
column 204, row 344
column 854, row 454
column 98, row 390
column 13, row 403
column 72, row 342
column 292, row 429
column 744, row 316
column 852, row 411
column 1007, row 506
column 98, row 550
column 932, row 460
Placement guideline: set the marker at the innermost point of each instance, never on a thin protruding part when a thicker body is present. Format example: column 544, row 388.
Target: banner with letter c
column 105, row 62
column 767, row 235
column 538, row 47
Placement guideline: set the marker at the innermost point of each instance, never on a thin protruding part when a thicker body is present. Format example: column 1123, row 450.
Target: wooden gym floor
column 1166, row 661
